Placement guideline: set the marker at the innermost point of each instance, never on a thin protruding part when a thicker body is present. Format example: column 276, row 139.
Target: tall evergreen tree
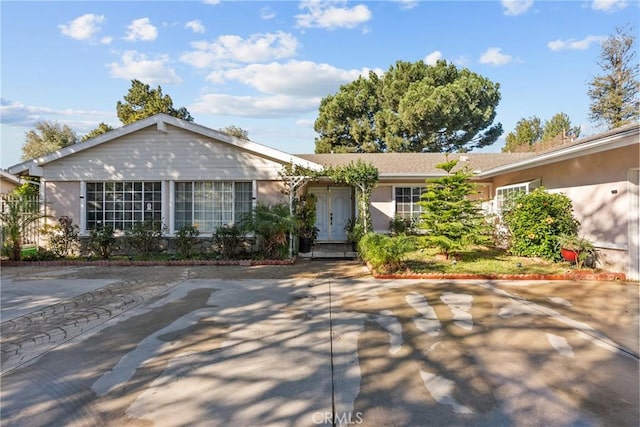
column 141, row 101
column 451, row 219
column 559, row 124
column 527, row 132
column 413, row 107
column 614, row 95
column 102, row 128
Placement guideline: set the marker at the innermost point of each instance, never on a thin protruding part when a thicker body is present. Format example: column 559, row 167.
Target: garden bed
column 127, row 262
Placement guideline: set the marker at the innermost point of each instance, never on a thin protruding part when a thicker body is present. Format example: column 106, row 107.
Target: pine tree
column 451, row 219
column 614, row 95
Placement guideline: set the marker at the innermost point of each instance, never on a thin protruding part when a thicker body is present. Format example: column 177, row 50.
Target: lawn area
column 480, row 260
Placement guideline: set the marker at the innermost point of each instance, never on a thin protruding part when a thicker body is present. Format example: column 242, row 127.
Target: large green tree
column 413, row 107
column 559, row 124
column 527, row 132
column 47, row 137
column 614, row 94
column 142, row 101
column 102, row 128
column 531, row 135
column 236, row 131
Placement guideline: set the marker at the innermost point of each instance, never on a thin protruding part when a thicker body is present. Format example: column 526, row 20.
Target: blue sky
column 265, row 66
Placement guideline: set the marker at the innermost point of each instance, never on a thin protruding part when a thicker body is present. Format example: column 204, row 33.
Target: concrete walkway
column 198, row 347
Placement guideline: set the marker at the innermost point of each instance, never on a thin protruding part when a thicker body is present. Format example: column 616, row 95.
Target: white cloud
column 407, row 4
column 571, row 44
column 229, row 49
column 609, row 5
column 494, row 56
column 134, row 65
column 267, row 13
column 212, row 2
column 253, row 106
column 195, row 26
column 433, row 57
column 332, row 14
column 106, row 40
column 141, row 29
column 13, row 113
column 303, row 79
column 516, row 7
column 83, row 27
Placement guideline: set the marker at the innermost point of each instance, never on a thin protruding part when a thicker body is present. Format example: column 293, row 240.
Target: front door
column 333, row 211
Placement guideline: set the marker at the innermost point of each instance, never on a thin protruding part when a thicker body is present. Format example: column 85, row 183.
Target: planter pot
column 570, row 255
column 304, row 245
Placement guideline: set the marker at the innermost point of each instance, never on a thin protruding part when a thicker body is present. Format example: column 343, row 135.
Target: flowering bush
column 536, row 219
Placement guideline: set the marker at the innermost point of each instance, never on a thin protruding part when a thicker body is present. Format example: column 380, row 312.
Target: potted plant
column 306, row 222
column 577, row 250
column 355, row 231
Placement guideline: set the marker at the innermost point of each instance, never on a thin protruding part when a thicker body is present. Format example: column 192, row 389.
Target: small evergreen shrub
column 402, row 225
column 102, row 241
column 385, row 252
column 186, row 237
column 228, row 238
column 144, row 237
column 64, row 237
column 536, row 219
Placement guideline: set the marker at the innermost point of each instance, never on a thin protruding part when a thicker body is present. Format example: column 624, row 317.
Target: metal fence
column 17, row 210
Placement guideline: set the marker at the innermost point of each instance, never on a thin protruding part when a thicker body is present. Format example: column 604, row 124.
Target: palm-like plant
column 271, row 225
column 17, row 214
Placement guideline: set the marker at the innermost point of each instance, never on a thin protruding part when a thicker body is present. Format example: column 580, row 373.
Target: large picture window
column 407, row 199
column 508, row 192
column 121, row 204
column 209, row 205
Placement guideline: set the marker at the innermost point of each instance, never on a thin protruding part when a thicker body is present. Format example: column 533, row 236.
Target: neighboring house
column 179, row 172
column 8, row 182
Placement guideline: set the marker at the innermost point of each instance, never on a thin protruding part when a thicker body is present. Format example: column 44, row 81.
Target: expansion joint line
column 333, row 385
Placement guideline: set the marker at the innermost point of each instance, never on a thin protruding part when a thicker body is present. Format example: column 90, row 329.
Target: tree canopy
column 47, row 137
column 102, row 128
column 614, row 94
column 413, row 107
column 531, row 135
column 236, row 131
column 141, row 101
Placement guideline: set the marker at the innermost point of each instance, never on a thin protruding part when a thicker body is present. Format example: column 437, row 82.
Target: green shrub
column 144, row 237
column 228, row 238
column 536, row 219
column 385, row 252
column 102, row 241
column 272, row 225
column 186, row 237
column 402, row 225
column 63, row 237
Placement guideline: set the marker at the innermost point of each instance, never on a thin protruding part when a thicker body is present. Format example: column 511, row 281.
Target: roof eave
column 608, row 142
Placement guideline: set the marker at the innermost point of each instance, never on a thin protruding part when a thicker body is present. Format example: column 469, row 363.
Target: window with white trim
column 507, row 192
column 407, row 199
column 208, row 205
column 121, row 204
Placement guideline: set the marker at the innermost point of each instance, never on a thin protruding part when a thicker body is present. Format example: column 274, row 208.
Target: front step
column 330, row 250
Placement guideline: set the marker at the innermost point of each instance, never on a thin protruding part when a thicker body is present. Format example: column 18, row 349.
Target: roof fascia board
column 607, row 143
column 160, row 121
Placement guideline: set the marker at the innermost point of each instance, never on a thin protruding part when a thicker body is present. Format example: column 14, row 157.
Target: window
column 121, row 204
column 407, row 199
column 208, row 205
column 507, row 192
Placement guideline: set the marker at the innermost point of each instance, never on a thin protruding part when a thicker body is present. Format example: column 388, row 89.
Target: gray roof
column 417, row 164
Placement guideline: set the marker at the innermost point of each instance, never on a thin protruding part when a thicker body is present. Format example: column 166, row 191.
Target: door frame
column 350, row 213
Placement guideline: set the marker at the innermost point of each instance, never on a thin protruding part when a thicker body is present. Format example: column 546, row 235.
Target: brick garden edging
column 124, row 263
column 573, row 275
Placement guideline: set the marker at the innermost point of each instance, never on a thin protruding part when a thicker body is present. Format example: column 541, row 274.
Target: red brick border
column 573, row 275
column 122, row 263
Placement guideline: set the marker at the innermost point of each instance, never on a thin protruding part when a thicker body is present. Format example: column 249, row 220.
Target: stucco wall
column 270, row 192
column 62, row 199
column 598, row 186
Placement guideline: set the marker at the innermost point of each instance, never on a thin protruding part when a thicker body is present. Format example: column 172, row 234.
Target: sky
column 265, row 66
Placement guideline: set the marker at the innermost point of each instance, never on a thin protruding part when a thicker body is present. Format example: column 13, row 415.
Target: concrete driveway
column 318, row 345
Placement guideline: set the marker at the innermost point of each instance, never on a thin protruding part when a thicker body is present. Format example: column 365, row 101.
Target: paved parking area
column 319, row 344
